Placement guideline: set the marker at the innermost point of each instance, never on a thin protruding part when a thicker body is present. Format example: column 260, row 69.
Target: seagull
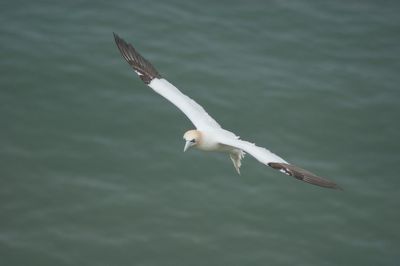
column 208, row 134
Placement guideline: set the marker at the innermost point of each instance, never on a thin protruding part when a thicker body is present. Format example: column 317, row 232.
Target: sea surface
column 92, row 169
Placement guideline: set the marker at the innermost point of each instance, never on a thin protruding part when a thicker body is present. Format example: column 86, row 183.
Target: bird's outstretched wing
column 150, row 76
column 266, row 157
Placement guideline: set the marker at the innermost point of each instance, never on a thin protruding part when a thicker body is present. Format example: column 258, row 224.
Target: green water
column 91, row 164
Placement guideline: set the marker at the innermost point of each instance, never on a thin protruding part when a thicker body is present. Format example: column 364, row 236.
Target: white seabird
column 209, row 135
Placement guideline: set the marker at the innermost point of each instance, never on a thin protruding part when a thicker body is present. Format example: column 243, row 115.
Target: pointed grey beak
column 187, row 145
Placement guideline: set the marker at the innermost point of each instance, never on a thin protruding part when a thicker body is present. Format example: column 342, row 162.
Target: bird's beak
column 187, row 145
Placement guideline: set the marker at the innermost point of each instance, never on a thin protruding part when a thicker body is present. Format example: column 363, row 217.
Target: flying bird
column 209, row 135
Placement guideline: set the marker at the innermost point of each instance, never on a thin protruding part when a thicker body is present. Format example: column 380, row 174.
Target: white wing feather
column 263, row 155
column 199, row 117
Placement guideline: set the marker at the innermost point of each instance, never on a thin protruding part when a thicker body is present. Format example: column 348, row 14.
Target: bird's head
column 192, row 138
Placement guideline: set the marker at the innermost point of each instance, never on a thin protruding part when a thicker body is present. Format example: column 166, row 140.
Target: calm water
column 91, row 163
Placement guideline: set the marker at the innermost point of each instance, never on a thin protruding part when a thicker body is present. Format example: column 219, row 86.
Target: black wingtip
column 115, row 37
column 142, row 67
column 304, row 175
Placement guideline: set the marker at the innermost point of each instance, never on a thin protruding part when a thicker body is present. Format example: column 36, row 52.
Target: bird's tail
column 236, row 157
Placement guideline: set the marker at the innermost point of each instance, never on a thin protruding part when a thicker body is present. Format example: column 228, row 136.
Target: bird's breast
column 208, row 146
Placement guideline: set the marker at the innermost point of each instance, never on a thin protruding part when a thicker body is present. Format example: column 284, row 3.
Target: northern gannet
column 209, row 135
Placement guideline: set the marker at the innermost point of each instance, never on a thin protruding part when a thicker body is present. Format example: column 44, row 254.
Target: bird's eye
column 193, row 141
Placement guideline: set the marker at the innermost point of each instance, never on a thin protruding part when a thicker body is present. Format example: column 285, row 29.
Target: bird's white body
column 209, row 135
column 210, row 143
